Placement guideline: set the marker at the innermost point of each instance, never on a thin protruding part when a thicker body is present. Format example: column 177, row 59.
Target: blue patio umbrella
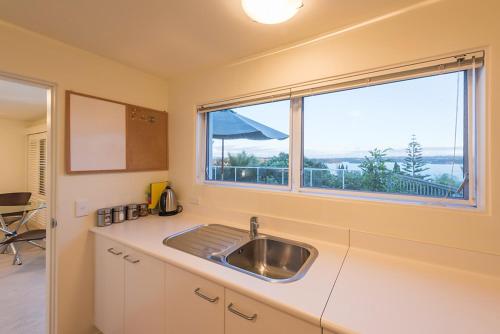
column 228, row 124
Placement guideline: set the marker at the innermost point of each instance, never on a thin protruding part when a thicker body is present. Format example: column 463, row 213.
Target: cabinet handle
column 198, row 293
column 127, row 258
column 113, row 251
column 231, row 309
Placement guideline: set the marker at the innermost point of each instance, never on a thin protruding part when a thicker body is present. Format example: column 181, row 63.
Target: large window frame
column 202, row 152
column 471, row 63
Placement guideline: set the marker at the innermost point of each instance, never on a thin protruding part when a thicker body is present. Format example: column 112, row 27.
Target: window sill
column 350, row 196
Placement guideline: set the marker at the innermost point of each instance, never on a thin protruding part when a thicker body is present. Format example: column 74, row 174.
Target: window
column 407, row 133
column 403, row 137
column 37, row 172
column 249, row 144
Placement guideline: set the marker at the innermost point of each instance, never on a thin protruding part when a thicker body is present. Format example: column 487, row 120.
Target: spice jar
column 132, row 211
column 143, row 209
column 118, row 214
column 104, row 217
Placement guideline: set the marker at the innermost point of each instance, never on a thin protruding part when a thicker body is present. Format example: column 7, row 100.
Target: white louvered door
column 37, row 174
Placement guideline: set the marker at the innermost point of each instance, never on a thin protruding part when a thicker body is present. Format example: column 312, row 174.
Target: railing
column 411, row 185
column 267, row 175
column 313, row 177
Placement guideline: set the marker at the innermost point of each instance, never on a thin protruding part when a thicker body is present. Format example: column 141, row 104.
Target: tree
column 321, row 177
column 375, row 172
column 282, row 160
column 312, row 163
column 279, row 161
column 242, row 159
column 396, row 169
column 413, row 164
column 448, row 180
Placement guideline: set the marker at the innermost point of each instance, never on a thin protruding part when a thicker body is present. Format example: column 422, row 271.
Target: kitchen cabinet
column 193, row 304
column 138, row 294
column 109, row 286
column 144, row 294
column 248, row 316
column 129, row 288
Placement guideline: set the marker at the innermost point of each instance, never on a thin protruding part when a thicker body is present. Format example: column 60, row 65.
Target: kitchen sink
column 263, row 256
column 273, row 259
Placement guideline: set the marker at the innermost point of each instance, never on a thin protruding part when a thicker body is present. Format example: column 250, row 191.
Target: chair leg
column 13, row 248
column 17, row 259
column 36, row 244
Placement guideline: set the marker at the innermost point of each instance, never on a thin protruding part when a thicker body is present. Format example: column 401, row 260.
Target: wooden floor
column 22, row 294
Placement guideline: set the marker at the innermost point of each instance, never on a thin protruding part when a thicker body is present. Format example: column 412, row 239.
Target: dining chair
column 12, row 237
column 13, row 199
column 29, row 236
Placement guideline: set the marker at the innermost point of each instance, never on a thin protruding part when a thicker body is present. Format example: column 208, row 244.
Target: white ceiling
column 22, row 102
column 168, row 37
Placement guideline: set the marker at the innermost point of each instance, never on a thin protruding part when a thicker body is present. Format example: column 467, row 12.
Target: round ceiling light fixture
column 271, row 11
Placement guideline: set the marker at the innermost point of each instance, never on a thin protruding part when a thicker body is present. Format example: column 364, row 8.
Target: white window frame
column 201, row 155
column 296, row 93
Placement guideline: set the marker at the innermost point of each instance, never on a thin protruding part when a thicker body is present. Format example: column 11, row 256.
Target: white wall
column 13, row 151
column 437, row 28
column 32, row 55
column 37, row 126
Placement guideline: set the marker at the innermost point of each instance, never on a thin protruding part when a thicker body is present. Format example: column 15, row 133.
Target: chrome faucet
column 254, row 228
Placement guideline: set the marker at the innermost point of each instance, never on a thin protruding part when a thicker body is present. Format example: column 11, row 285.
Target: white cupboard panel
column 144, row 294
column 248, row 316
column 109, row 286
column 193, row 304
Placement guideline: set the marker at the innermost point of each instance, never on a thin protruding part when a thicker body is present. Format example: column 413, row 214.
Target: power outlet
column 81, row 208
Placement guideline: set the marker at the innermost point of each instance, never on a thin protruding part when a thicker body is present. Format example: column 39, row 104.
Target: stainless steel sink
column 266, row 257
column 273, row 259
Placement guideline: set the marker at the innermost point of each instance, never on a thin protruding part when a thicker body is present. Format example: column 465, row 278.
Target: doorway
column 26, row 205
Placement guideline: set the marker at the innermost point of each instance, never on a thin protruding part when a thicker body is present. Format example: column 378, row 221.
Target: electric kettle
column 168, row 203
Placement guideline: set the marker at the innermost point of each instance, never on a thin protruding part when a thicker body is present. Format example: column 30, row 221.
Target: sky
column 352, row 122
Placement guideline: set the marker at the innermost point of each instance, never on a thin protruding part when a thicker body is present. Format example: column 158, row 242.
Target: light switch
column 81, row 208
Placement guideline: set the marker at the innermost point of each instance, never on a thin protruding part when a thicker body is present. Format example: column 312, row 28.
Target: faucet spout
column 254, row 228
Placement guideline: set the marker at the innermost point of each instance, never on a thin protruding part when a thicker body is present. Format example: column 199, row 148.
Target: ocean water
column 435, row 170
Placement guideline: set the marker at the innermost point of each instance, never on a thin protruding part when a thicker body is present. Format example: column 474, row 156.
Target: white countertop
column 379, row 293
column 304, row 299
column 425, row 289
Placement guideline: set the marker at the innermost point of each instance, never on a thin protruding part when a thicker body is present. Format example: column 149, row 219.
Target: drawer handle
column 231, row 309
column 114, row 252
column 212, row 300
column 127, row 258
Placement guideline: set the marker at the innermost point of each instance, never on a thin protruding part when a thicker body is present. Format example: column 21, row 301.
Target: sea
column 435, row 170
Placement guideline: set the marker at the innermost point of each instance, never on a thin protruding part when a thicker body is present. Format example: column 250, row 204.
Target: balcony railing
column 317, row 177
column 266, row 175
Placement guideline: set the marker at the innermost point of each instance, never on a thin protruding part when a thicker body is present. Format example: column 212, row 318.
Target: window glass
column 249, row 144
column 407, row 137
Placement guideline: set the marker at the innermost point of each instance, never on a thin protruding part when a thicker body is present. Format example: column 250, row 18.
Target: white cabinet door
column 109, row 286
column 194, row 305
column 247, row 316
column 144, row 294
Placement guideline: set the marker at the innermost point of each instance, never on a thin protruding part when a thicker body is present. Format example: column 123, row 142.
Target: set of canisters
column 120, row 213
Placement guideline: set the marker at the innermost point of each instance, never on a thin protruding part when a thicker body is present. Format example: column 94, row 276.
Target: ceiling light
column 271, row 11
